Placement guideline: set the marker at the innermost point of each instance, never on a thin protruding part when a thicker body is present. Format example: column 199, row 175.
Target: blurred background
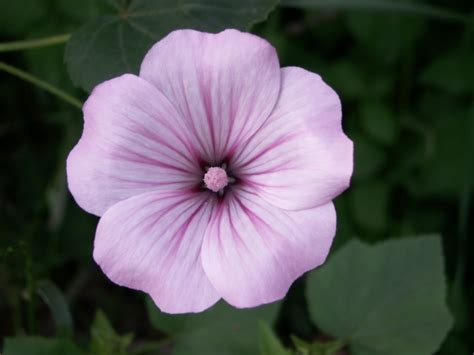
column 405, row 73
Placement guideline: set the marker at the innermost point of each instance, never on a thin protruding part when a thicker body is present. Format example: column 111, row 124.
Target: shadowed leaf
column 114, row 44
column 384, row 299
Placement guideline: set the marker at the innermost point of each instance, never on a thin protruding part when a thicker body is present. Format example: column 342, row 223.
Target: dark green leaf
column 269, row 343
column 222, row 329
column 56, row 302
column 384, row 299
column 114, row 44
column 105, row 340
column 24, row 345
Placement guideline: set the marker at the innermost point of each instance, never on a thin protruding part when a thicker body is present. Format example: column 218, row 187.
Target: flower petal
column 152, row 242
column 300, row 158
column 252, row 251
column 133, row 142
column 225, row 84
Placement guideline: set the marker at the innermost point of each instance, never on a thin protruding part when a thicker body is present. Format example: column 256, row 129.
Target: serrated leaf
column 105, row 340
column 269, row 343
column 302, row 347
column 114, row 44
column 384, row 299
column 222, row 329
column 33, row 345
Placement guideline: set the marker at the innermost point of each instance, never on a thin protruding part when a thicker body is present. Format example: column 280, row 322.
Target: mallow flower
column 213, row 172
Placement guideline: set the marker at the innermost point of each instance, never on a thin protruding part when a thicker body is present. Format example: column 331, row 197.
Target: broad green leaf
column 114, row 44
column 269, row 342
column 78, row 12
column 56, row 302
column 384, row 299
column 33, row 345
column 105, row 340
column 222, row 330
column 415, row 8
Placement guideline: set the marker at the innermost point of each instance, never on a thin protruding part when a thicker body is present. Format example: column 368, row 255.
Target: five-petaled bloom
column 213, row 171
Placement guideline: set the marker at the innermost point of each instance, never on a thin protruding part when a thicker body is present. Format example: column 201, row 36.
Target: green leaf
column 383, row 299
column 33, row 345
column 105, row 340
column 269, row 343
column 302, row 347
column 56, row 302
column 416, row 8
column 222, row 329
column 114, row 44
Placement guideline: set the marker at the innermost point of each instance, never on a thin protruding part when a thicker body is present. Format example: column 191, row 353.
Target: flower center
column 216, row 179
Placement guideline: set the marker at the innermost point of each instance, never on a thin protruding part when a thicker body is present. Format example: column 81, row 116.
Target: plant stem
column 41, row 83
column 34, row 43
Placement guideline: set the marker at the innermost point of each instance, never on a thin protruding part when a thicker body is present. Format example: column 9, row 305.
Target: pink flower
column 213, row 171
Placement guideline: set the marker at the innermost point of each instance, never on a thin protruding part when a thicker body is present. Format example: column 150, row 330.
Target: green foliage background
column 405, row 74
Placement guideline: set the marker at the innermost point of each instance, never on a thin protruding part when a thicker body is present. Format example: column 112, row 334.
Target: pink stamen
column 216, row 179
